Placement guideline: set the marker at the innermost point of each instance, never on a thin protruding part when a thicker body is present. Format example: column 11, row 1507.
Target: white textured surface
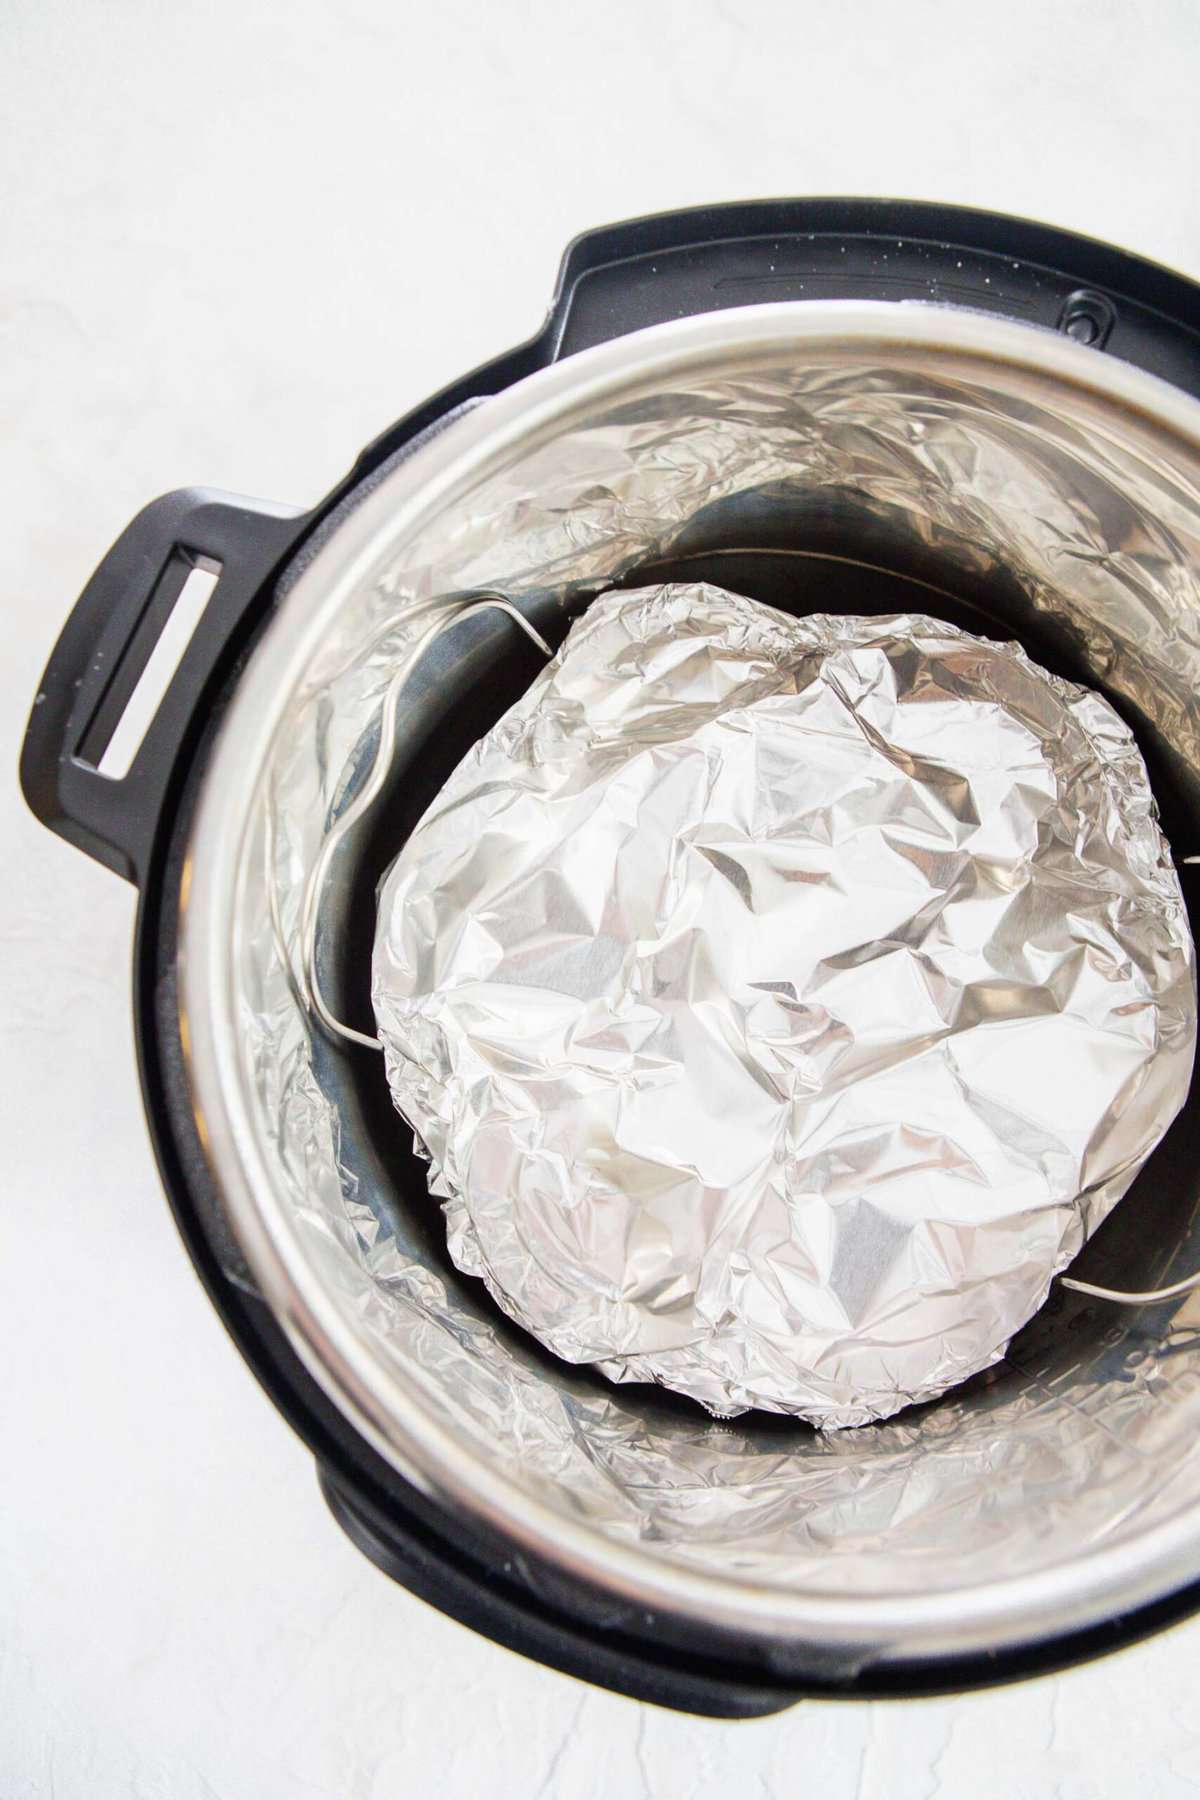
column 236, row 240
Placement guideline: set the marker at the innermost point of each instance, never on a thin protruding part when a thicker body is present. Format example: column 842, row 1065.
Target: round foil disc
column 781, row 1002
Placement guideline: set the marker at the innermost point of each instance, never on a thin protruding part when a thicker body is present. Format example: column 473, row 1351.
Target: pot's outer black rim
column 611, row 282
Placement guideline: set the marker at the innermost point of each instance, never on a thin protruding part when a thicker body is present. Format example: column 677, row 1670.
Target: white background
column 235, row 241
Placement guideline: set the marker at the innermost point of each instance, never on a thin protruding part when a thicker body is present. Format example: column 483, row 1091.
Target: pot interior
column 816, row 474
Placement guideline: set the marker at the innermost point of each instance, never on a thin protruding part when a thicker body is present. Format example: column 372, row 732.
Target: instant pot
column 991, row 419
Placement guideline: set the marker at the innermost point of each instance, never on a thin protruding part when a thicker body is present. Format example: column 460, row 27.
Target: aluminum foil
column 782, row 1001
column 1088, row 1432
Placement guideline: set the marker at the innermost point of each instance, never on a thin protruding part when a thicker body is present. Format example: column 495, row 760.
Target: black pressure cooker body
column 612, row 282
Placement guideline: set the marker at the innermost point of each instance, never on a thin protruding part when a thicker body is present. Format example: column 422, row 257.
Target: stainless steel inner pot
column 1036, row 489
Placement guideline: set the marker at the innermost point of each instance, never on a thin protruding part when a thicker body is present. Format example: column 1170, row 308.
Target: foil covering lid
column 781, row 1002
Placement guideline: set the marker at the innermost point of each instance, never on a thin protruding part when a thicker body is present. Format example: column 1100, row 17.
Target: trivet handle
column 445, row 613
column 1131, row 1297
column 105, row 647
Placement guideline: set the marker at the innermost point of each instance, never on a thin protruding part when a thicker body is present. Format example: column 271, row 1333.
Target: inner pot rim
column 399, row 1420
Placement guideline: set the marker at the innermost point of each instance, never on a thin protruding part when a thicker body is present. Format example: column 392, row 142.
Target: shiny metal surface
column 365, row 797
column 1060, row 1487
column 781, row 1002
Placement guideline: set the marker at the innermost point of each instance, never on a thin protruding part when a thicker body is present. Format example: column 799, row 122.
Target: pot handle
column 105, row 646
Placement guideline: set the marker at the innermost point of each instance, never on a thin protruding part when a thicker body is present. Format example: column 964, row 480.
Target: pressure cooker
column 753, row 395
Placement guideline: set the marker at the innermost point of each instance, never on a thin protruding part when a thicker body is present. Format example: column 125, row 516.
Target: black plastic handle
column 105, row 646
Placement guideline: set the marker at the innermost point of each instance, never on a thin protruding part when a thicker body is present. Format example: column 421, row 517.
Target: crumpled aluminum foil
column 781, row 1002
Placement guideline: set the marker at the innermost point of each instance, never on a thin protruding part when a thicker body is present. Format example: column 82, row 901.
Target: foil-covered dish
column 781, row 1002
